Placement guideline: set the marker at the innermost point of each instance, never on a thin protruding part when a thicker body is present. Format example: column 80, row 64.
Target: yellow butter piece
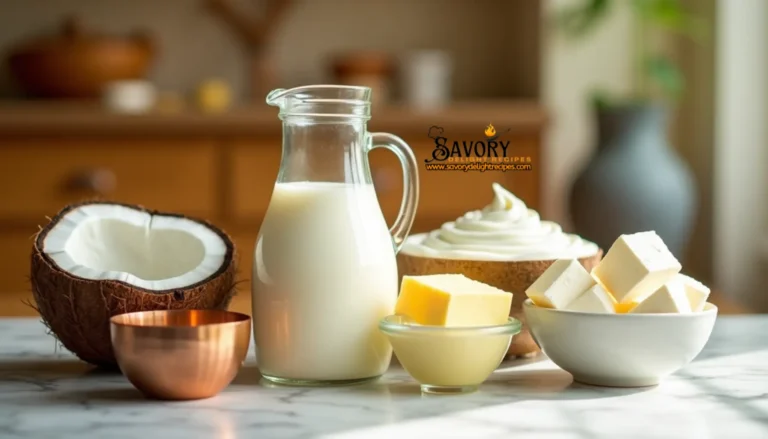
column 623, row 308
column 452, row 300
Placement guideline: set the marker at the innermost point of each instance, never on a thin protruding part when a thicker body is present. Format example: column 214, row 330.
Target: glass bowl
column 448, row 359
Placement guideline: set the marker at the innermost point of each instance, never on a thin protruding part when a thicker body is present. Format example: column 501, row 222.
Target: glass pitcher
column 324, row 270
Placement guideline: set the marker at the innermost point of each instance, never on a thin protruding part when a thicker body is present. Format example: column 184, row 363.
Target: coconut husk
column 513, row 276
column 77, row 310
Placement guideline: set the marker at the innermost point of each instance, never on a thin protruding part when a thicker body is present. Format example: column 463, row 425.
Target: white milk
column 324, row 275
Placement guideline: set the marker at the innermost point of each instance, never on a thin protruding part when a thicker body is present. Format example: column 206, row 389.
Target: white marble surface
column 722, row 394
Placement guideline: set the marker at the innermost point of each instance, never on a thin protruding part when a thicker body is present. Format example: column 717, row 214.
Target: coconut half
column 98, row 259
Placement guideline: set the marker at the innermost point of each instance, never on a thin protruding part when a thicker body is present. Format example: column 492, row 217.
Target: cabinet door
column 251, row 173
column 38, row 177
column 16, row 245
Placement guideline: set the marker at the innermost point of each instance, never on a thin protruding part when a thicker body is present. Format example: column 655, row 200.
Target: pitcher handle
column 404, row 153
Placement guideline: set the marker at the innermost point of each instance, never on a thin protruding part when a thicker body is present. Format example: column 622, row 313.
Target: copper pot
column 76, row 64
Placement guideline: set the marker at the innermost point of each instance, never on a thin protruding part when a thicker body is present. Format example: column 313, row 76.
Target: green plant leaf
column 601, row 99
column 665, row 75
column 671, row 16
column 577, row 21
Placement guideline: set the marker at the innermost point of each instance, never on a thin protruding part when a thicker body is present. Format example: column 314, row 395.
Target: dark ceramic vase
column 635, row 181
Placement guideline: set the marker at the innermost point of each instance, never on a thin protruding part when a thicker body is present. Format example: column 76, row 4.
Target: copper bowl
column 513, row 276
column 180, row 354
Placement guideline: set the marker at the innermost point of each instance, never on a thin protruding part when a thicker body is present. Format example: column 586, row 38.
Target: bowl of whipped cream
column 505, row 244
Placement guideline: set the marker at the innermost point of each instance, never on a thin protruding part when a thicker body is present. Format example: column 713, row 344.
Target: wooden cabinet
column 16, row 245
column 39, row 176
column 222, row 168
column 252, row 167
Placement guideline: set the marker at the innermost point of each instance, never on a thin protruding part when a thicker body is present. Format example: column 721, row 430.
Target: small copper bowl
column 180, row 354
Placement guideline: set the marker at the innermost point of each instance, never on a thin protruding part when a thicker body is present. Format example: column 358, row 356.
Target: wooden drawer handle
column 100, row 181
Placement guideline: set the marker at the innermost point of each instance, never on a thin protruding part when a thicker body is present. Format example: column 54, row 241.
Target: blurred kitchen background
column 161, row 103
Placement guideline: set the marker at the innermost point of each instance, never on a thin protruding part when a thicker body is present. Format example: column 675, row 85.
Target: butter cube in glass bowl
column 445, row 359
column 452, row 300
column 450, row 332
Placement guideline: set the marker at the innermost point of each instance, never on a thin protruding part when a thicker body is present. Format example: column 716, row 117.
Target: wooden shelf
column 39, row 119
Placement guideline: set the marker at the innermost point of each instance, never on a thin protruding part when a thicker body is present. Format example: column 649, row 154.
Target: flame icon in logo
column 490, row 131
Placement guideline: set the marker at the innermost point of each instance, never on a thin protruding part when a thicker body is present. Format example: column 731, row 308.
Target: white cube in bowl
column 619, row 350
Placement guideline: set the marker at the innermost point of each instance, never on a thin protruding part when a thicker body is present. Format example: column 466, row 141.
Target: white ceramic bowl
column 619, row 350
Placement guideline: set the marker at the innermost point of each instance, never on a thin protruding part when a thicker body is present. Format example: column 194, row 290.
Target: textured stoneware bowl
column 620, row 350
column 514, row 277
column 180, row 354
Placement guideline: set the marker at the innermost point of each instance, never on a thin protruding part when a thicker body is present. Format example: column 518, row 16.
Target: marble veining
column 46, row 392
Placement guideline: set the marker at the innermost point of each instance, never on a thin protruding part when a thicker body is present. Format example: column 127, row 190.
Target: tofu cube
column 560, row 284
column 452, row 300
column 636, row 266
column 670, row 298
column 595, row 299
column 696, row 291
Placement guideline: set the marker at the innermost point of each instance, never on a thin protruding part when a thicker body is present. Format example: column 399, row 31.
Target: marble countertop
column 45, row 392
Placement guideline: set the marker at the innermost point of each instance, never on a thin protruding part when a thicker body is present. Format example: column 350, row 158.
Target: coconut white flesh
column 110, row 242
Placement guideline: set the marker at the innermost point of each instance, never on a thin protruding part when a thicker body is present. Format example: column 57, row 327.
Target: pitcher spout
column 275, row 97
column 322, row 100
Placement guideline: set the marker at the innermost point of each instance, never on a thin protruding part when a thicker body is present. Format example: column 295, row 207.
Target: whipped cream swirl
column 505, row 230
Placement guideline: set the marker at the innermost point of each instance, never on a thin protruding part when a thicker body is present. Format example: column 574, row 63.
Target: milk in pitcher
column 324, row 275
